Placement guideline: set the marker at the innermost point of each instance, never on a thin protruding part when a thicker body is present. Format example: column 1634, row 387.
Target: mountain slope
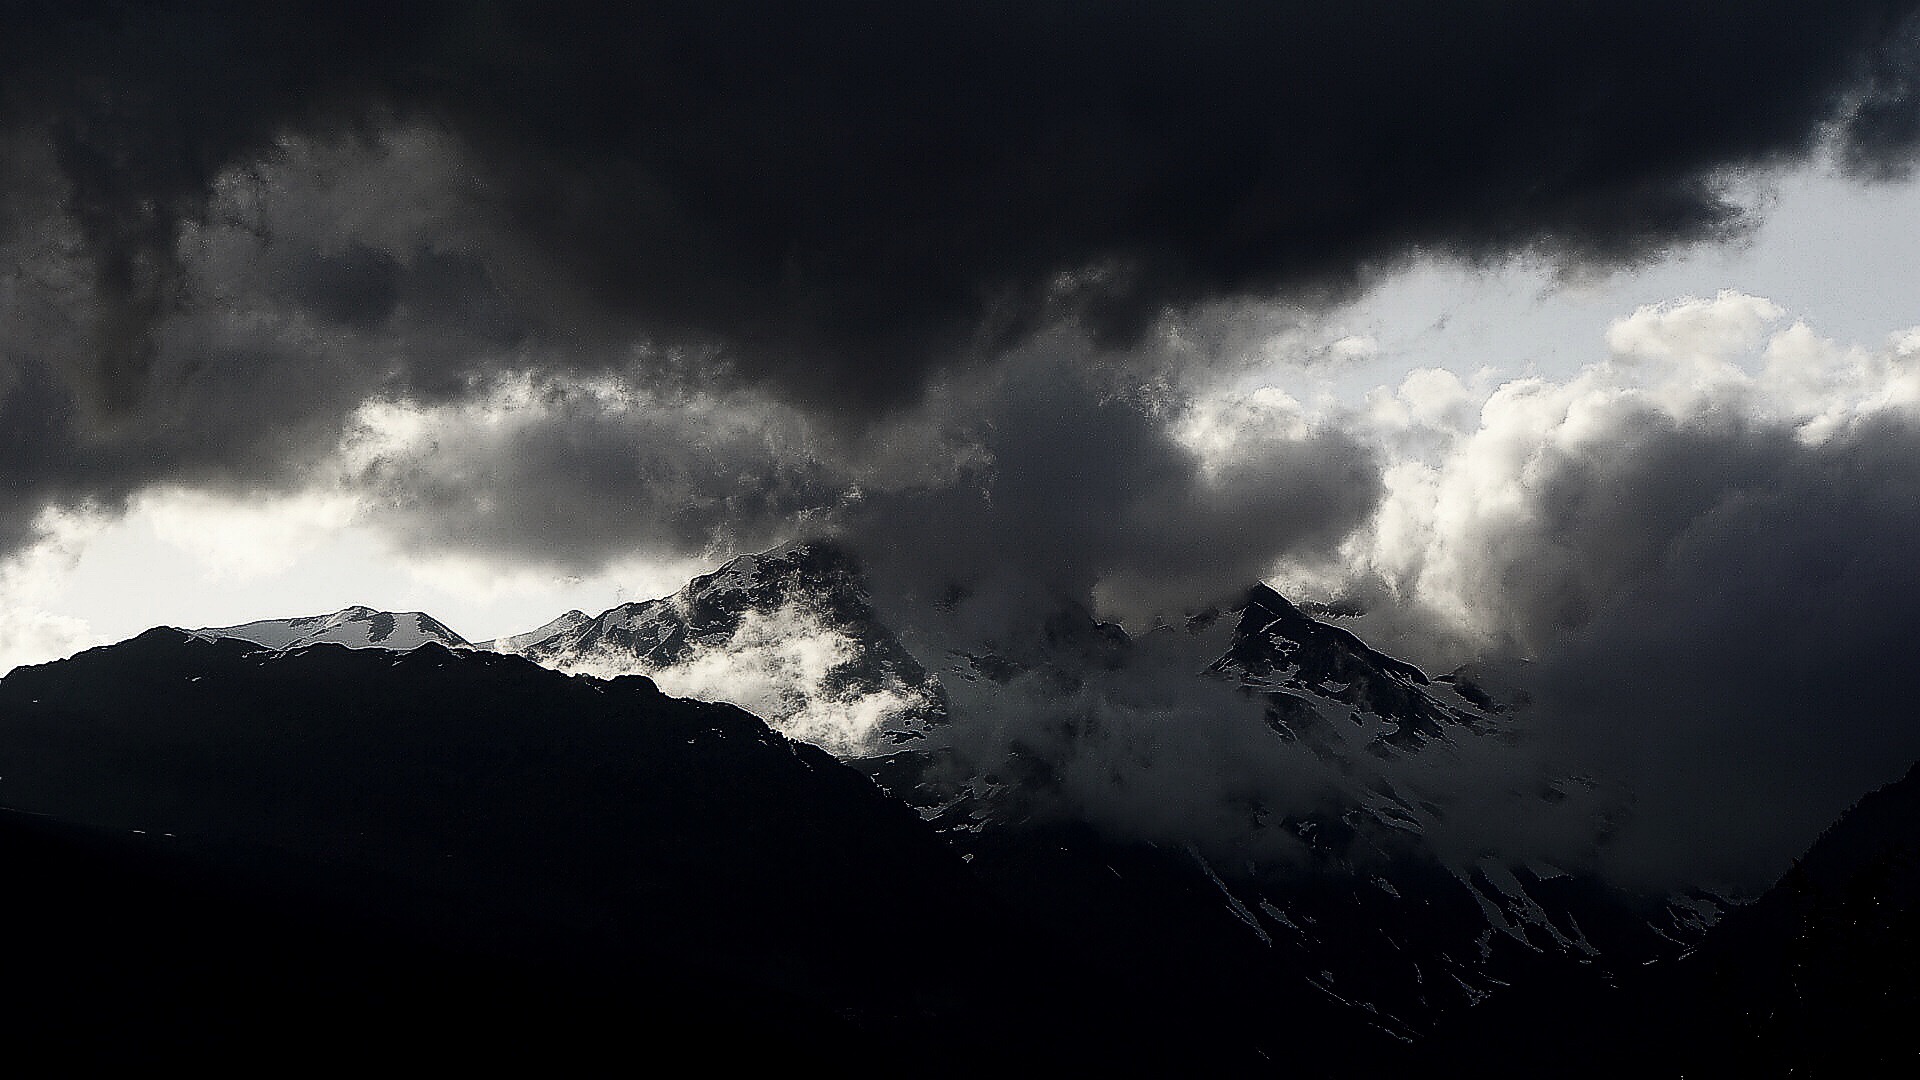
column 1316, row 676
column 1818, row 977
column 1342, row 898
column 518, row 814
column 1367, row 915
column 289, row 846
column 124, row 950
column 519, row 643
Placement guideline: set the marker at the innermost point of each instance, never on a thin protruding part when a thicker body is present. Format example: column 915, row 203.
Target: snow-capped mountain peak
column 1313, row 672
column 789, row 634
column 356, row 627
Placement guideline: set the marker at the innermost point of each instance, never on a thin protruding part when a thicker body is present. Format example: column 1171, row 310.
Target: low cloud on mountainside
column 557, row 287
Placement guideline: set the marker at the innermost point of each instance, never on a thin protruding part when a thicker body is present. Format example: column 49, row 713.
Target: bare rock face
column 789, row 634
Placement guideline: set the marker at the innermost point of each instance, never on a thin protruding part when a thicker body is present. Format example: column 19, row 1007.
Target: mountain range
column 355, row 627
column 853, row 873
column 1367, row 916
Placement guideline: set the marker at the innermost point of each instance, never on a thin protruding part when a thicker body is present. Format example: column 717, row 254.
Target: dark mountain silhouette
column 127, row 949
column 219, row 851
column 228, row 853
column 205, row 830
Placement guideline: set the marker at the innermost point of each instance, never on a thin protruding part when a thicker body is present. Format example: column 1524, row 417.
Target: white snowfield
column 355, row 627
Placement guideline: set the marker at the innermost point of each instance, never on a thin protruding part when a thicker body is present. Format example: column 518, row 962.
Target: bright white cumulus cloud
column 31, row 633
column 1470, row 464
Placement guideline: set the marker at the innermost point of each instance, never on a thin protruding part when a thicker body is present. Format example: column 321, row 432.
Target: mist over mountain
column 1312, row 809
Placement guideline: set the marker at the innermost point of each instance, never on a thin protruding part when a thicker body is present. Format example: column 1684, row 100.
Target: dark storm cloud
column 1038, row 484
column 1721, row 617
column 1607, row 516
column 830, row 201
column 842, row 194
column 246, row 388
column 233, row 407
column 572, row 477
column 1080, row 496
column 1883, row 126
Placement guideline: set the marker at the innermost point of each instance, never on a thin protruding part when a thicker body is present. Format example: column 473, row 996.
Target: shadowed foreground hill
column 221, row 853
column 125, row 949
column 220, row 845
column 213, row 845
column 1819, row 977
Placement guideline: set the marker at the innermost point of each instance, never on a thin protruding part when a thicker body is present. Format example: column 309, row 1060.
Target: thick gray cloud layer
column 840, row 194
column 1074, row 492
column 226, row 225
column 1744, row 655
column 570, row 476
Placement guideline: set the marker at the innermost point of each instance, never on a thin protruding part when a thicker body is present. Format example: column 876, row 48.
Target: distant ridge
column 355, row 627
column 516, row 643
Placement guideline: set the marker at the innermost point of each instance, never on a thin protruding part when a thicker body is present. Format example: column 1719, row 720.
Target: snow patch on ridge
column 354, row 627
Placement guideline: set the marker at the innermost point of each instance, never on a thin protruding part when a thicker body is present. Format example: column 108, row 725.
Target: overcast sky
column 1579, row 332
